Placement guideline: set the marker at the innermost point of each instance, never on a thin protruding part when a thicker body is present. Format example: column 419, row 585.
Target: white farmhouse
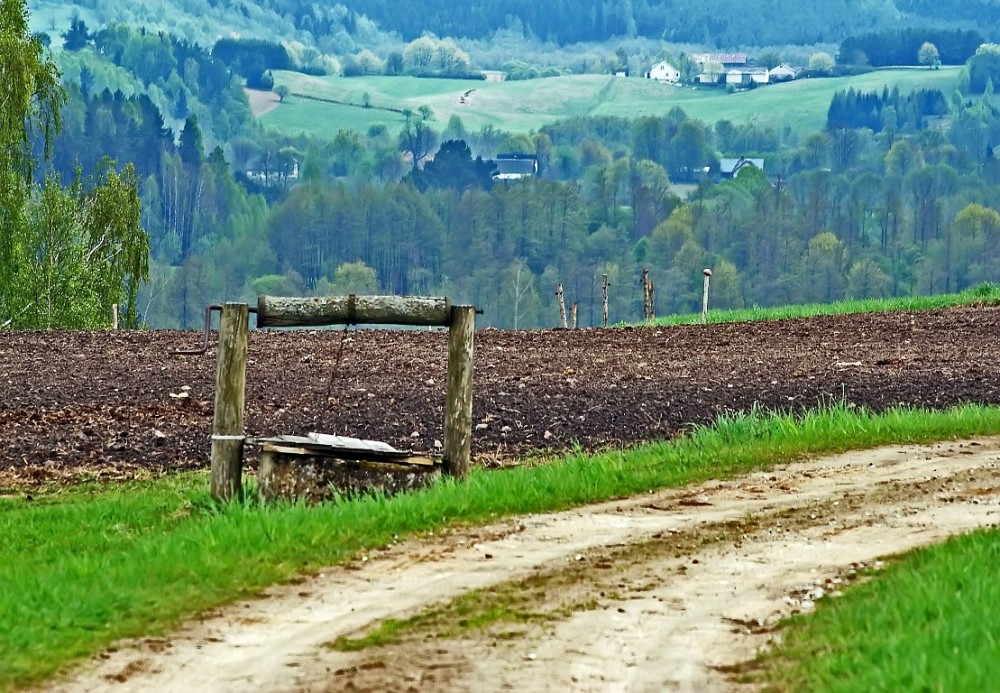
column 782, row 73
column 664, row 72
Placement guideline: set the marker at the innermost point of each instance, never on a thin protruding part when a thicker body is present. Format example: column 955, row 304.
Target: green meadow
column 523, row 106
column 83, row 567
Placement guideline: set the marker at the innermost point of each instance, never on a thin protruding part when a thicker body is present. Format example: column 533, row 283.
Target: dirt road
column 672, row 590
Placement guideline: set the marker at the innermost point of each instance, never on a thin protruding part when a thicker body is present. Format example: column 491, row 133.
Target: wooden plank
column 283, row 311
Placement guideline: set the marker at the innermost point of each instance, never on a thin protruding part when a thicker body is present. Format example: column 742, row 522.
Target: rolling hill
column 321, row 106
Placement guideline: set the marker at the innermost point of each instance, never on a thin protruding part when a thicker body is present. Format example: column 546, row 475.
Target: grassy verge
column 985, row 294
column 80, row 570
column 928, row 623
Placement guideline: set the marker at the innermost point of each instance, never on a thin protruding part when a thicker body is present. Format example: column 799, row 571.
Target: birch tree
column 67, row 254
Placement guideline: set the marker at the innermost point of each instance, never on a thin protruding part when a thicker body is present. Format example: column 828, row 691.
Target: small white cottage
column 664, row 72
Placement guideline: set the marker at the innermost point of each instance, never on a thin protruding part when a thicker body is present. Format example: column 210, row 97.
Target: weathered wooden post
column 457, row 450
column 114, row 316
column 573, row 315
column 562, row 305
column 605, row 299
column 230, row 394
column 645, row 294
column 652, row 300
column 704, row 299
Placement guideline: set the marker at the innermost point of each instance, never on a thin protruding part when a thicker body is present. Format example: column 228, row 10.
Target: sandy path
column 681, row 586
column 261, row 101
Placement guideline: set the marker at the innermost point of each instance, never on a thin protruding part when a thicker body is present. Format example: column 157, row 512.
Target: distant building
column 515, row 166
column 729, row 168
column 782, row 73
column 745, row 76
column 664, row 72
column 494, row 76
column 727, row 60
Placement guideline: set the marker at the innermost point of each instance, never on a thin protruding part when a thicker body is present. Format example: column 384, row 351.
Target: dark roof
column 521, row 164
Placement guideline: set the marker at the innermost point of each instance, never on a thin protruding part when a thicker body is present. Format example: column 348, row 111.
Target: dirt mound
column 117, row 404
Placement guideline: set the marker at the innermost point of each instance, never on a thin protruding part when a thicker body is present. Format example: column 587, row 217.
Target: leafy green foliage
column 66, row 255
column 904, row 47
column 454, row 167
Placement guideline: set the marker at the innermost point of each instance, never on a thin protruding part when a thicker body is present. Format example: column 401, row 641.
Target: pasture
column 321, row 106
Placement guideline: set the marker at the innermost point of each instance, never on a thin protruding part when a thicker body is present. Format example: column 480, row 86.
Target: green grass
column 81, row 569
column 927, row 623
column 983, row 295
column 522, row 106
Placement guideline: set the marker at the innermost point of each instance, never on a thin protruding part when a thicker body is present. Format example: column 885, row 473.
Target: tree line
column 854, row 210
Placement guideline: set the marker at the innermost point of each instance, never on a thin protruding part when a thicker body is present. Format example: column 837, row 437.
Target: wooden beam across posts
column 274, row 311
column 230, row 395
column 280, row 311
column 458, row 399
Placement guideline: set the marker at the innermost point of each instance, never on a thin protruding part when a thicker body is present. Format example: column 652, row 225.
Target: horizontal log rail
column 282, row 311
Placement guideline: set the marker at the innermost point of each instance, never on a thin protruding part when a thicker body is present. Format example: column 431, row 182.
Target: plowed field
column 111, row 405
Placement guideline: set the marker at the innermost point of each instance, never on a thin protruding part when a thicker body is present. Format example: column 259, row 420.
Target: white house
column 664, row 72
column 781, row 73
column 515, row 166
column 731, row 167
column 745, row 75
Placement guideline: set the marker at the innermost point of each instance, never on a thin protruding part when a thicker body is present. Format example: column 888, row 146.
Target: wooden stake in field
column 562, row 305
column 457, row 450
column 652, row 301
column 573, row 315
column 704, row 299
column 114, row 316
column 605, row 299
column 230, row 395
column 645, row 294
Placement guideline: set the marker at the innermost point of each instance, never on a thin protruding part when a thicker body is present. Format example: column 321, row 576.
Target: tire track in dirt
column 679, row 586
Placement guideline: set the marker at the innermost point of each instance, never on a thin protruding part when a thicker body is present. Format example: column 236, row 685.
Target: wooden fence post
column 605, row 299
column 573, row 315
column 230, row 394
column 562, row 305
column 457, row 450
column 704, row 299
column 645, row 294
column 652, row 300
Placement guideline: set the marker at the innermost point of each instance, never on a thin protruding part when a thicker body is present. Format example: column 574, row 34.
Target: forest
column 895, row 196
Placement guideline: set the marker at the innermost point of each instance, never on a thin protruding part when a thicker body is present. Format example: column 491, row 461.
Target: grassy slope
column 80, row 570
column 526, row 105
column 986, row 294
